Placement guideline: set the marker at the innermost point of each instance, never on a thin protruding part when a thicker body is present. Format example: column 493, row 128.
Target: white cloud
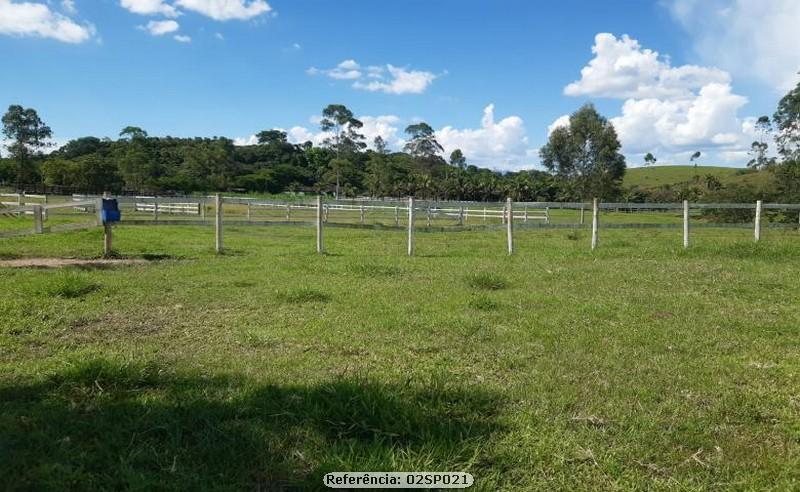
column 182, row 38
column 223, row 10
column 401, row 81
column 36, row 19
column 150, row 7
column 346, row 70
column 707, row 120
column 497, row 144
column 754, row 38
column 622, row 69
column 666, row 110
column 379, row 78
column 69, row 6
column 562, row 120
column 159, row 28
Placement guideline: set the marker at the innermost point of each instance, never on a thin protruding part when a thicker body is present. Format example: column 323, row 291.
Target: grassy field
column 656, row 176
column 640, row 366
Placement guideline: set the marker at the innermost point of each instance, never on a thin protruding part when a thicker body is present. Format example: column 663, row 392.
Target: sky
column 492, row 77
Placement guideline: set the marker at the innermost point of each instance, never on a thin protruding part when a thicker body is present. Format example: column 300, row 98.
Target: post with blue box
column 109, row 214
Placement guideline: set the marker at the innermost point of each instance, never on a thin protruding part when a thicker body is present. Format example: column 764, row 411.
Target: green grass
column 655, row 176
column 639, row 366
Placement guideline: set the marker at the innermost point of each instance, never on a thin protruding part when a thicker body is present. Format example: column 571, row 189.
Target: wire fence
column 41, row 214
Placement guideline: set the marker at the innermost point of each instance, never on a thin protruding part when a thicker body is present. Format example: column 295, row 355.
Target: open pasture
column 640, row 365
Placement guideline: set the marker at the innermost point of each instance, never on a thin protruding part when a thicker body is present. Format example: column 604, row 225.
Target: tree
column 694, row 158
column 457, row 159
column 787, row 123
column 28, row 135
column 649, row 159
column 340, row 121
column 268, row 137
column 586, row 155
column 759, row 148
column 380, row 145
column 133, row 133
column 423, row 143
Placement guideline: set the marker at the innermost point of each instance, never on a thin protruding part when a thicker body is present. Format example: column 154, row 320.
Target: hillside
column 656, row 176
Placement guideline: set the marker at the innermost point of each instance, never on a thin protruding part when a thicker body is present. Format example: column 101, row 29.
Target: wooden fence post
column 397, row 216
column 38, row 227
column 410, row 226
column 108, row 237
column 582, row 214
column 466, row 215
column 484, row 215
column 44, row 212
column 326, row 210
column 218, row 223
column 428, row 216
column 686, row 223
column 460, row 216
column 510, row 228
column 155, row 209
column 320, row 217
column 288, row 212
column 595, row 223
column 362, row 213
column 203, row 209
column 758, row 221
column 98, row 209
column 525, row 220
column 248, row 211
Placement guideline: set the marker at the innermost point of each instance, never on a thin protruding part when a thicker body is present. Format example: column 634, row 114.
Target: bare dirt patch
column 65, row 262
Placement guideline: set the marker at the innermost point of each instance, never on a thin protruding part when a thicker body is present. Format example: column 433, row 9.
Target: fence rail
column 55, row 215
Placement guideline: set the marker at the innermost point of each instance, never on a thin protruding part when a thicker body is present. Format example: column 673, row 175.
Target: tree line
column 343, row 165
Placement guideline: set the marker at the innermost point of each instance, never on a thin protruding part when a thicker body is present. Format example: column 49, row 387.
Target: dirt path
column 62, row 262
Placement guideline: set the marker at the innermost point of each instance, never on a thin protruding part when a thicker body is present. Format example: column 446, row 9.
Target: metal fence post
column 218, row 223
column 595, row 223
column 758, row 221
column 510, row 228
column 410, row 226
column 320, row 217
column 686, row 223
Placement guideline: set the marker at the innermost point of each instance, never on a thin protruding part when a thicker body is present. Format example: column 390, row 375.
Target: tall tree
column 586, row 154
column 268, row 137
column 760, row 147
column 422, row 142
column 340, row 121
column 28, row 135
column 649, row 159
column 457, row 159
column 380, row 145
column 787, row 122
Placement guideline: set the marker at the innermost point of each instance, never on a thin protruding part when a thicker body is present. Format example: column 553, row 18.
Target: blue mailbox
column 110, row 212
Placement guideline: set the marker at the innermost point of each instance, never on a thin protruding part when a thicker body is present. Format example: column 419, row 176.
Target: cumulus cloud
column 400, row 81
column 159, row 28
column 666, row 110
column 149, row 7
column 221, row 10
column 754, row 38
column 379, row 78
column 37, row 19
column 497, row 144
column 621, row 68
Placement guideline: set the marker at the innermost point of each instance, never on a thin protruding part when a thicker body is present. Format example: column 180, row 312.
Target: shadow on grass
column 102, row 425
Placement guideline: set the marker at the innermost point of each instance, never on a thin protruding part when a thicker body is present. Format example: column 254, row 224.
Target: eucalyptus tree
column 28, row 135
column 345, row 138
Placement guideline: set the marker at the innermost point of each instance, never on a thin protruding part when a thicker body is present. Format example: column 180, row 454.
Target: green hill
column 656, row 176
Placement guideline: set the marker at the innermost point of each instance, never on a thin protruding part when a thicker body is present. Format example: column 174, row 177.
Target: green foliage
column 28, row 135
column 586, row 154
column 787, row 121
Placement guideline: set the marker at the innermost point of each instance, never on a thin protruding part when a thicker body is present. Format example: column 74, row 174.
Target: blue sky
column 491, row 76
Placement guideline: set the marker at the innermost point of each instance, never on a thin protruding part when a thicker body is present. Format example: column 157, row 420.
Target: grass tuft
column 69, row 285
column 303, row 295
column 486, row 281
column 484, row 303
